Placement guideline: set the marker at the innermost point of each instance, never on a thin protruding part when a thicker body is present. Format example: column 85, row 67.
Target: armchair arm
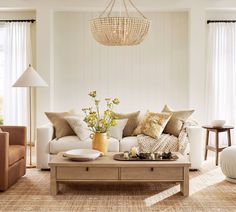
column 4, row 148
column 17, row 134
column 196, row 146
column 45, row 134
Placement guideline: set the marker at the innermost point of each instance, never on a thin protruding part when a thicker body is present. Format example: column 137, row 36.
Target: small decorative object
column 126, row 155
column 218, row 123
column 82, row 154
column 100, row 122
column 146, row 157
column 166, row 155
column 120, row 30
column 134, row 151
column 152, row 156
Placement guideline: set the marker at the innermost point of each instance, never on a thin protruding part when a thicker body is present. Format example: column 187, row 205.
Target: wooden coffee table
column 106, row 169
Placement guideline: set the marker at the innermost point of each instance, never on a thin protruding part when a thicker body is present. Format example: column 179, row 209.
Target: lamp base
column 30, row 166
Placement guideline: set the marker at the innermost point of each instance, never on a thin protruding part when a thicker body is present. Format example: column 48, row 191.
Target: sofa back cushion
column 131, row 124
column 117, row 131
column 177, row 120
column 79, row 127
column 61, row 126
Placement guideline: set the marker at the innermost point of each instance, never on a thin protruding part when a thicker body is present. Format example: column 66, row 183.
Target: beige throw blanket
column 165, row 142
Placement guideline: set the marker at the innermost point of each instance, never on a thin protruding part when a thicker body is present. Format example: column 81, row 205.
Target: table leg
column 53, row 183
column 207, row 140
column 217, row 148
column 229, row 137
column 184, row 186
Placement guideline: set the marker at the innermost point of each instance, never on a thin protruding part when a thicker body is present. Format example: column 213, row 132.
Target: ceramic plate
column 82, row 154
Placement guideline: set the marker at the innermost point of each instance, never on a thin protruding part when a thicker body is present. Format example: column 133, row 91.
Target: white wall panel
column 143, row 77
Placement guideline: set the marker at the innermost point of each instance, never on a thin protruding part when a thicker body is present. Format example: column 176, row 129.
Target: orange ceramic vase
column 100, row 142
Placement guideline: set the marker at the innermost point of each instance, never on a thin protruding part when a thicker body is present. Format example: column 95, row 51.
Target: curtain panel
column 17, row 58
column 221, row 72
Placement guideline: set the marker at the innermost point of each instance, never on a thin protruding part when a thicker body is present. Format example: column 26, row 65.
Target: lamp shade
column 30, row 78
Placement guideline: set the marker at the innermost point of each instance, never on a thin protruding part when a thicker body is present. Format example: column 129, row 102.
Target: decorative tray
column 146, row 157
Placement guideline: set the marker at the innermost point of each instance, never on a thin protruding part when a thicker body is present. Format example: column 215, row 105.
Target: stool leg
column 207, row 140
column 217, row 148
column 229, row 137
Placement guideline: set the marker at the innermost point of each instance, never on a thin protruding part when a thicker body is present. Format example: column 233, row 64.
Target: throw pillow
column 153, row 124
column 62, row 128
column 117, row 131
column 175, row 125
column 79, row 127
column 132, row 122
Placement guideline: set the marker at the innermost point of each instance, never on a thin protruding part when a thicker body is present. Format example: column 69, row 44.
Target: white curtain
column 18, row 57
column 221, row 72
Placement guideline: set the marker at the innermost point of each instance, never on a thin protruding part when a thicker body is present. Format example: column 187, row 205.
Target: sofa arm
column 196, row 146
column 17, row 134
column 4, row 148
column 44, row 136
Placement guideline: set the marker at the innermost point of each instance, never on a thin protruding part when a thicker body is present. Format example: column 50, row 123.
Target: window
column 2, row 64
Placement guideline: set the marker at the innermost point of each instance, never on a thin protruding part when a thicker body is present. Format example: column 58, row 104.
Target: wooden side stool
column 216, row 130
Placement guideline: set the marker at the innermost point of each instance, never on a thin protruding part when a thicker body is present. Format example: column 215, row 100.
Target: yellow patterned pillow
column 153, row 124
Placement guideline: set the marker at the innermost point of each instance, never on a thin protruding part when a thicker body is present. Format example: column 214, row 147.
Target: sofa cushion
column 16, row 152
column 62, row 128
column 176, row 122
column 131, row 124
column 153, row 124
column 72, row 142
column 117, row 131
column 79, row 127
column 128, row 142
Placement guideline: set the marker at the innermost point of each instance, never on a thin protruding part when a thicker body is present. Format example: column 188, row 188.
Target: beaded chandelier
column 122, row 30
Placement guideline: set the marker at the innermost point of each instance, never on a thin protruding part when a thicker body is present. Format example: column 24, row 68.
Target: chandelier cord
column 111, row 6
column 109, row 13
column 126, row 10
column 112, row 2
column 137, row 9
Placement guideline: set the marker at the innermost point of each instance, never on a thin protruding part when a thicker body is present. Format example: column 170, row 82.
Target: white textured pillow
column 79, row 127
column 117, row 131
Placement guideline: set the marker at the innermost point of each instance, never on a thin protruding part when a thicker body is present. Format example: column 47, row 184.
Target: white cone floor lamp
column 30, row 78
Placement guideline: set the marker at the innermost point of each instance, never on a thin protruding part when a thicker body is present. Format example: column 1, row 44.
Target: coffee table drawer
column 165, row 173
column 86, row 173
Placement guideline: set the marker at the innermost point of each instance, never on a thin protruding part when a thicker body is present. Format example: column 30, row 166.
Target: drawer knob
column 152, row 169
column 87, row 169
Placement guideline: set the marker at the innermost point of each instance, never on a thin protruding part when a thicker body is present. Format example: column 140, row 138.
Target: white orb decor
column 228, row 163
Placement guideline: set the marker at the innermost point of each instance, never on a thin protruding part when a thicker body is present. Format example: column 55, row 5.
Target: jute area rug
column 208, row 192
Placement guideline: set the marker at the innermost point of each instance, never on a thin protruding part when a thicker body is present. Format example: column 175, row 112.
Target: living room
column 162, row 75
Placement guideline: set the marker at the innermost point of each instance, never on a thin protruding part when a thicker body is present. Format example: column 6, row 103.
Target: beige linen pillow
column 153, row 124
column 176, row 122
column 117, row 131
column 79, row 127
column 131, row 124
column 62, row 128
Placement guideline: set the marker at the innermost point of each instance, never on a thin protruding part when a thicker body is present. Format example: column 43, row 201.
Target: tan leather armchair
column 12, row 155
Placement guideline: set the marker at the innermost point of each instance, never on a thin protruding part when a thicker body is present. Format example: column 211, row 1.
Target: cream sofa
column 47, row 146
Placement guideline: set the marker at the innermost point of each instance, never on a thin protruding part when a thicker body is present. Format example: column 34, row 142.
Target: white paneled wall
column 143, row 77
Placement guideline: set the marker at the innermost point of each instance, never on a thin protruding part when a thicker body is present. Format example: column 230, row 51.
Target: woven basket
column 119, row 31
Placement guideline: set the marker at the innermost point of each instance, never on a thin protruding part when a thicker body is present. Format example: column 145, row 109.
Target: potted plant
column 99, row 121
